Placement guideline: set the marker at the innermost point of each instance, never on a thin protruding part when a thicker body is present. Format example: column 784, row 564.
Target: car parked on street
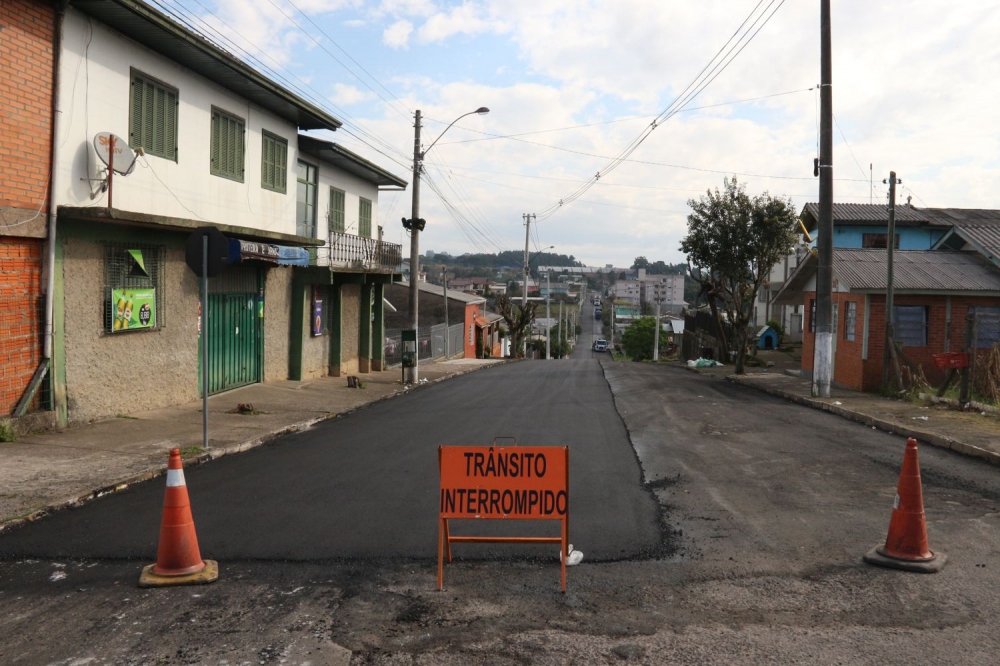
column 600, row 345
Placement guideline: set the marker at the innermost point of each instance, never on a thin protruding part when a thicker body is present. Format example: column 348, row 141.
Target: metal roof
column 154, row 30
column 453, row 294
column 914, row 271
column 350, row 162
column 977, row 228
column 869, row 214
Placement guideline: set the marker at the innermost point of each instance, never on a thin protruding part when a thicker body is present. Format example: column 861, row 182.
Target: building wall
column 119, row 373
column 26, row 62
column 22, row 309
column 315, row 349
column 277, row 320
column 851, row 369
column 469, row 332
column 99, row 102
column 354, row 189
column 27, row 30
column 909, row 238
column 350, row 339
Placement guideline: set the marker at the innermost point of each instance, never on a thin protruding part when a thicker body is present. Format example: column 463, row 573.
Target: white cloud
column 465, row 19
column 355, row 23
column 397, row 35
column 345, row 95
column 398, row 8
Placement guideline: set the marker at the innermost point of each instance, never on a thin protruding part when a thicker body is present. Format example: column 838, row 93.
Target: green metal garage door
column 235, row 331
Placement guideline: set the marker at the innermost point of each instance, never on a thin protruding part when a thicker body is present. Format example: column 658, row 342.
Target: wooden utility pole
column 823, row 356
column 889, row 313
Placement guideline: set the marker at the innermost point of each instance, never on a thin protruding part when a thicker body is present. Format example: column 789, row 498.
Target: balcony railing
column 350, row 252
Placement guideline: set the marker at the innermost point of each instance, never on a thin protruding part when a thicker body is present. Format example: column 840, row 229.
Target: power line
column 490, row 137
column 692, row 90
column 317, row 98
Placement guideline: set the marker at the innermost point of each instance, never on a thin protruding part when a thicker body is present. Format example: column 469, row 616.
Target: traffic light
column 409, row 224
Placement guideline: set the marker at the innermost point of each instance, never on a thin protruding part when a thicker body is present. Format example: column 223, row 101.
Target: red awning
column 482, row 322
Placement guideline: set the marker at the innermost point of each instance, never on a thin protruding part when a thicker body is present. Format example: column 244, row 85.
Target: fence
column 430, row 340
column 701, row 337
column 358, row 252
column 985, row 380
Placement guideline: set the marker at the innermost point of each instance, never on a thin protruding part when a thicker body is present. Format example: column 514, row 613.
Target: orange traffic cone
column 178, row 560
column 906, row 545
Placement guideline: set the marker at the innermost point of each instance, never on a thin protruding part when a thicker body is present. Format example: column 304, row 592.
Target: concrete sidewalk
column 52, row 470
column 971, row 433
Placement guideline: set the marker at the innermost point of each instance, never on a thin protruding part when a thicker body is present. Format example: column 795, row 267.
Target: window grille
column 121, row 272
column 850, row 320
column 878, row 241
column 987, row 326
column 153, row 117
column 910, row 326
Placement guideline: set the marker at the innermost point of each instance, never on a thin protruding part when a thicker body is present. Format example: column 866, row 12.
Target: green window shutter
column 170, row 126
column 135, row 115
column 365, row 218
column 336, row 210
column 274, row 163
column 227, row 151
column 153, row 118
column 281, row 166
column 215, row 167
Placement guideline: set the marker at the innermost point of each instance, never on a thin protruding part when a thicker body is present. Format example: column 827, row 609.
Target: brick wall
column 942, row 335
column 26, row 35
column 21, row 315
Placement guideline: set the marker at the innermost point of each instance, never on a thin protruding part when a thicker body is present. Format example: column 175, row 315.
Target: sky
column 571, row 84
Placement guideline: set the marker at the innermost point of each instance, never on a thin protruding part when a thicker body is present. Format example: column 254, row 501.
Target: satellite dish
column 124, row 160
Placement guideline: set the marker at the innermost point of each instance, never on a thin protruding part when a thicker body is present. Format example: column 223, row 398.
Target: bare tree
column 733, row 241
column 518, row 319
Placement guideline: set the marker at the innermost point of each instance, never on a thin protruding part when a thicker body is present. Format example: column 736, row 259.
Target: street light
column 415, row 225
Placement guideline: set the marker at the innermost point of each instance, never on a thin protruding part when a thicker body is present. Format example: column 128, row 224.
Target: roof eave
column 308, row 116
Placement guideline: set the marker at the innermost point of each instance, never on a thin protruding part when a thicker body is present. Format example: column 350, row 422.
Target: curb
column 213, row 454
column 933, row 439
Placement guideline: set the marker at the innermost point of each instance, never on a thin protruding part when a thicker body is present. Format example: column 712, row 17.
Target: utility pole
column 412, row 372
column 890, row 247
column 561, row 330
column 524, row 295
column 444, row 284
column 823, row 356
column 656, row 335
column 415, row 225
column 548, row 317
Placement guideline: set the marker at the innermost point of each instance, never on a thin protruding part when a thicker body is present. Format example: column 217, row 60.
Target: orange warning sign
column 503, row 482
column 522, row 482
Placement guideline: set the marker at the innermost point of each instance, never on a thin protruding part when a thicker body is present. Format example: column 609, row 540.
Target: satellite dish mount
column 117, row 155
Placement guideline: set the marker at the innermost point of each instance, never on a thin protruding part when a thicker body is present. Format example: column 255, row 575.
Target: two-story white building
column 220, row 145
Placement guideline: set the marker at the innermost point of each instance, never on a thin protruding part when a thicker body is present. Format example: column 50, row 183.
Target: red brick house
column 934, row 292
column 27, row 43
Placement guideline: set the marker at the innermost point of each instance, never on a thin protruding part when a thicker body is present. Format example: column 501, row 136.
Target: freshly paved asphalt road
column 366, row 486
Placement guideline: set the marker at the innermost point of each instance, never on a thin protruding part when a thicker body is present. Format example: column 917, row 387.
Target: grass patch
column 192, row 450
column 8, row 433
column 126, row 416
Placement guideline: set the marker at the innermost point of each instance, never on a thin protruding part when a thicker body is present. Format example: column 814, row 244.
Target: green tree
column 639, row 338
column 640, row 262
column 732, row 243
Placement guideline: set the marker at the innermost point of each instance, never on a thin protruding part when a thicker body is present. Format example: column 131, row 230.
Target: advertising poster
column 134, row 309
column 317, row 316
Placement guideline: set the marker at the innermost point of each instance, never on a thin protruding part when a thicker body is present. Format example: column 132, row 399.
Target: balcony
column 347, row 252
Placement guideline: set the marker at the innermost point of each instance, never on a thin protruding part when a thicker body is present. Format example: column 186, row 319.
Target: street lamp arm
column 481, row 111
